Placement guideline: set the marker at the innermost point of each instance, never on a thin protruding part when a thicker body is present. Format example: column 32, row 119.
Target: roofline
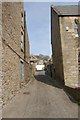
column 69, row 15
column 61, row 15
column 56, row 10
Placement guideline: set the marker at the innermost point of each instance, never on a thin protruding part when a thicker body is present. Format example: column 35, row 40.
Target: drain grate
column 26, row 93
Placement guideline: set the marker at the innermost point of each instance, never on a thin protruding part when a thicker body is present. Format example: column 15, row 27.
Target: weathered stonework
column 65, row 45
column 70, row 51
column 56, row 48
column 1, row 57
column 16, row 69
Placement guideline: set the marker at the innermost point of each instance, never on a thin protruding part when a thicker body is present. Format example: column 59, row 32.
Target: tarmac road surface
column 41, row 99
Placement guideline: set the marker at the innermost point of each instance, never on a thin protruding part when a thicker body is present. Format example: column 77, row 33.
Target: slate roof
column 67, row 10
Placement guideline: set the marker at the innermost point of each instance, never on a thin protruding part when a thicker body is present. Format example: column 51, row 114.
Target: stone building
column 27, row 54
column 15, row 64
column 33, row 61
column 65, row 43
column 1, row 77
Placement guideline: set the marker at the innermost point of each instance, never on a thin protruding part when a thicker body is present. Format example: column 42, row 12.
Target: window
column 75, row 28
column 22, row 41
column 22, row 28
column 22, row 18
column 76, row 22
column 79, row 58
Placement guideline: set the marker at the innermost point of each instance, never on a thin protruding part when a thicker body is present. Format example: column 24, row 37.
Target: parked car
column 39, row 67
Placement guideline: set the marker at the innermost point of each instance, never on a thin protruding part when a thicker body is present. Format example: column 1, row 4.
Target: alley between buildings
column 41, row 98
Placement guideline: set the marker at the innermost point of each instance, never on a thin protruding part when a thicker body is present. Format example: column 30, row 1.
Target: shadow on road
column 47, row 80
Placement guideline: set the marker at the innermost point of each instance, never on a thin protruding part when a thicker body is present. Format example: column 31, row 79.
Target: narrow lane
column 41, row 99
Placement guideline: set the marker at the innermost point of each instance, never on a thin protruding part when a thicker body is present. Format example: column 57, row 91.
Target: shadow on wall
column 28, row 74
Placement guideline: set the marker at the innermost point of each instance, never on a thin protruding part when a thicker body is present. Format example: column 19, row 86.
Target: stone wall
column 79, row 54
column 56, row 47
column 28, row 50
column 13, row 57
column 70, row 51
column 65, row 49
column 27, row 53
column 1, row 57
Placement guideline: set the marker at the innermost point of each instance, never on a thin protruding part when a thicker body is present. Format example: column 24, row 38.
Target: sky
column 38, row 22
